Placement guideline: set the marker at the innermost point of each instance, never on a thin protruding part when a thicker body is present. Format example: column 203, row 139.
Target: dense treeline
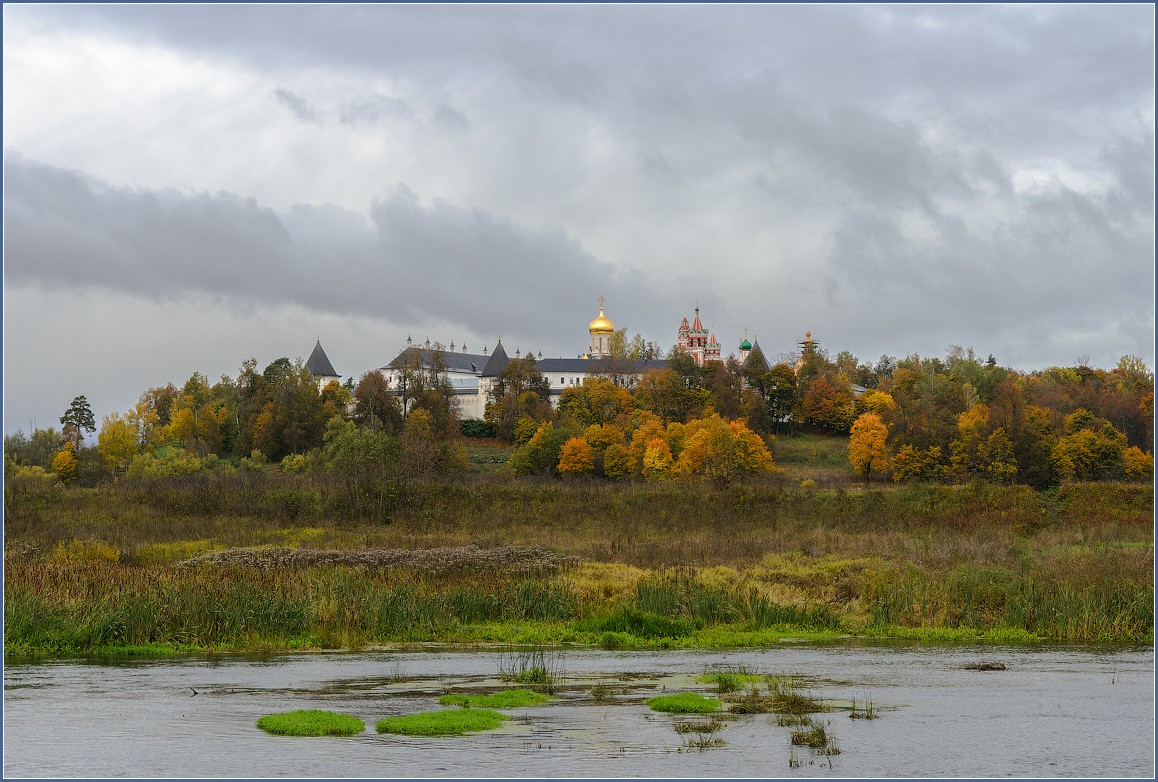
column 276, row 415
column 915, row 419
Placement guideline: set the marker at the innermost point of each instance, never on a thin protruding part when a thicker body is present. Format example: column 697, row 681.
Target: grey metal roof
column 497, row 361
column 635, row 365
column 465, row 363
column 319, row 364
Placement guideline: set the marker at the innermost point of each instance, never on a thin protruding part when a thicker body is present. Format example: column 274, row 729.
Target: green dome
column 745, row 345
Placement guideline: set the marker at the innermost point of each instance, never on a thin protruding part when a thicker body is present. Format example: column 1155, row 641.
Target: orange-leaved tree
column 577, row 458
column 866, row 446
column 719, row 451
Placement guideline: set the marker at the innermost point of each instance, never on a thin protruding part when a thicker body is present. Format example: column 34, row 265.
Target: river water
column 1076, row 710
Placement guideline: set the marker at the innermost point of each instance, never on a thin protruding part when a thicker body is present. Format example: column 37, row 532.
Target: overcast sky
column 189, row 186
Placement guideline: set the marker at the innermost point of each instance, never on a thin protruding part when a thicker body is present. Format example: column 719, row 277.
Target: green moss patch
column 452, row 722
column 311, row 722
column 684, row 703
column 506, row 699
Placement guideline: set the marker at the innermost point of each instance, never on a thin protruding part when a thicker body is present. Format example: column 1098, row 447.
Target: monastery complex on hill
column 471, row 375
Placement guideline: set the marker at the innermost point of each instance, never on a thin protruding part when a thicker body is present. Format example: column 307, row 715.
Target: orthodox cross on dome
column 601, row 304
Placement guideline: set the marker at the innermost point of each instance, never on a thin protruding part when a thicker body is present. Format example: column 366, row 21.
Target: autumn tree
column 160, row 402
column 374, row 406
column 910, row 464
column 64, row 464
column 519, row 390
column 596, row 401
column 724, row 383
column 721, row 452
column 423, row 384
column 540, row 456
column 577, row 458
column 866, row 446
column 666, row 393
column 117, row 440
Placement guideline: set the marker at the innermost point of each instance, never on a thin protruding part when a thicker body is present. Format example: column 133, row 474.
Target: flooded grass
column 985, row 666
column 601, row 692
column 792, row 720
column 780, row 695
column 685, row 703
column 311, row 722
column 730, row 679
column 817, row 737
column 505, row 699
column 704, row 742
column 540, row 668
column 699, row 727
column 454, row 722
column 864, row 712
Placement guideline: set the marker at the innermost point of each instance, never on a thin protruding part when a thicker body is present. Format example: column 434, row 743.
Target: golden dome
column 601, row 325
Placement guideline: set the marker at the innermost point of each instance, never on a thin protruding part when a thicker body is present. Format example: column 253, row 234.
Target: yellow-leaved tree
column 866, row 446
column 657, row 460
column 616, row 463
column 720, row 452
column 64, row 464
column 117, row 440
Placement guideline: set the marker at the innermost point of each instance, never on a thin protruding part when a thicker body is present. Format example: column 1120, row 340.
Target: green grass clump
column 506, row 699
column 684, row 703
column 453, row 722
column 731, row 680
column 311, row 722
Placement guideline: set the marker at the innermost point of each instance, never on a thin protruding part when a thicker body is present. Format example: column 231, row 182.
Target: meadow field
column 274, row 560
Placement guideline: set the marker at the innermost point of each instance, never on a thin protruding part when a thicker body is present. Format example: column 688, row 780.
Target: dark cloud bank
column 405, row 263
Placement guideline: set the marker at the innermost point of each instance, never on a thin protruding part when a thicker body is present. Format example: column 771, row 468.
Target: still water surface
column 1073, row 710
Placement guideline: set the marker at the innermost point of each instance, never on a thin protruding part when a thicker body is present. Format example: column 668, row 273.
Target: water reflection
column 1057, row 710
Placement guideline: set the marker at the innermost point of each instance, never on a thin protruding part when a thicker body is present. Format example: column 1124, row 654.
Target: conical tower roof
column 757, row 355
column 697, row 326
column 496, row 362
column 319, row 364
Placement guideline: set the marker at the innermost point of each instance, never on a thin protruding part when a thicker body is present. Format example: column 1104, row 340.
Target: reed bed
column 274, row 562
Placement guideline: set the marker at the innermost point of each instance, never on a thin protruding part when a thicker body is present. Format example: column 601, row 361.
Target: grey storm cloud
column 405, row 262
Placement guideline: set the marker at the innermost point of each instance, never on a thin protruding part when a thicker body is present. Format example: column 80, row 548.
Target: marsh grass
column 702, row 742
column 817, row 737
column 864, row 712
column 541, row 668
column 453, row 722
column 601, row 692
column 730, row 679
column 698, row 727
column 504, row 699
column 792, row 720
column 780, row 695
column 311, row 722
column 937, row 562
